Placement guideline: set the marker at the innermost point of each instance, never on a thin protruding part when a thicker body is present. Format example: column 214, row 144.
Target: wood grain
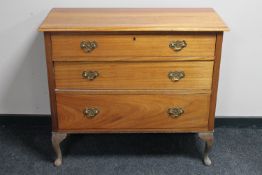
column 67, row 47
column 167, row 19
column 153, row 75
column 137, row 112
column 51, row 79
column 133, row 58
column 215, row 79
column 136, row 92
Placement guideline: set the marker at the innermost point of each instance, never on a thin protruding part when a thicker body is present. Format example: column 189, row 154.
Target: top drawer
column 132, row 47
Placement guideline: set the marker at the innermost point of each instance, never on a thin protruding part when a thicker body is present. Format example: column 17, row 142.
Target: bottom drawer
column 110, row 112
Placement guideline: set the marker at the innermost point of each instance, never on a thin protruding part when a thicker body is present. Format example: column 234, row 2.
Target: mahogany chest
column 133, row 70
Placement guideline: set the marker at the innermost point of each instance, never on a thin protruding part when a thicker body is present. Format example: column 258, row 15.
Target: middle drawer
column 152, row 75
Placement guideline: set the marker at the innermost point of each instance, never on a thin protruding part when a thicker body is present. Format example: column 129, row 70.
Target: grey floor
column 27, row 150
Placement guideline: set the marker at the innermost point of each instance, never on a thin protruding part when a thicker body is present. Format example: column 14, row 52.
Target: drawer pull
column 90, row 75
column 176, row 75
column 90, row 112
column 88, row 46
column 175, row 112
column 177, row 45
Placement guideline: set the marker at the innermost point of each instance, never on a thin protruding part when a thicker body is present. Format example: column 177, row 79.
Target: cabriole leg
column 57, row 138
column 208, row 138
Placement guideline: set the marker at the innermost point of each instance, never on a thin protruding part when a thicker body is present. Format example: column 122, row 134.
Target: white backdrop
column 23, row 79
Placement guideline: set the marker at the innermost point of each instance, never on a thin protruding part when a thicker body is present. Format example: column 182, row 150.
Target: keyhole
column 134, row 38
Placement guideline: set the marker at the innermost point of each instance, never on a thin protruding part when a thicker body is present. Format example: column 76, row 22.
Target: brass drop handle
column 90, row 112
column 177, row 45
column 176, row 75
column 90, row 75
column 88, row 46
column 175, row 112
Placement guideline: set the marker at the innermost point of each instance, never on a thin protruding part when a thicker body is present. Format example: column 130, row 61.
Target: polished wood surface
column 68, row 46
column 167, row 19
column 133, row 92
column 139, row 112
column 153, row 75
column 51, row 79
column 136, row 92
column 215, row 80
column 133, row 58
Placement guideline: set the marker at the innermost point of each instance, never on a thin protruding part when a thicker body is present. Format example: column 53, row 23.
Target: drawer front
column 161, row 75
column 72, row 47
column 130, row 112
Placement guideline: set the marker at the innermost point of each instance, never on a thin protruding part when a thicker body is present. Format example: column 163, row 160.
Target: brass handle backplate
column 90, row 112
column 175, row 112
column 177, row 45
column 176, row 75
column 88, row 46
column 90, row 75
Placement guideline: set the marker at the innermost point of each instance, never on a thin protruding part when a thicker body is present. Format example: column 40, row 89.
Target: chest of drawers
column 133, row 70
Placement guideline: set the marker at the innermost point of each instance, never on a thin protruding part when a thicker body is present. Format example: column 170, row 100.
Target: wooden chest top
column 123, row 20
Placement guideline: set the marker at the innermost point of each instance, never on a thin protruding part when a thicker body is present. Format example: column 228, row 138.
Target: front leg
column 208, row 138
column 57, row 138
